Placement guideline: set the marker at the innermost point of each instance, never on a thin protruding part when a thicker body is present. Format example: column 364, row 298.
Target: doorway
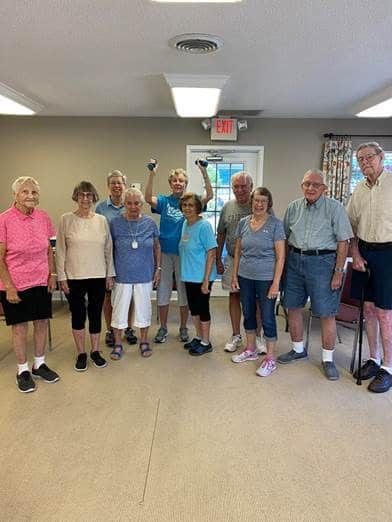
column 224, row 162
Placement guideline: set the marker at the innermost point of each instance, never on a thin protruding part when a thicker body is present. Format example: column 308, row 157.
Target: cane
column 360, row 339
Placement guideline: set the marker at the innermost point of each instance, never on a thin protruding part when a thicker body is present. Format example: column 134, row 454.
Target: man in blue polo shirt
column 112, row 207
column 317, row 230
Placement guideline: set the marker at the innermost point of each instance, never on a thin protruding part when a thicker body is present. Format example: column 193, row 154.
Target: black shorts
column 378, row 289
column 36, row 304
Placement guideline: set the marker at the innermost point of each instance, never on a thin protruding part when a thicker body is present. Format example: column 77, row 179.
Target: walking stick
column 360, row 339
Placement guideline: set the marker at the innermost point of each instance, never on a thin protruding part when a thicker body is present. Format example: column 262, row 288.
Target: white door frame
column 257, row 149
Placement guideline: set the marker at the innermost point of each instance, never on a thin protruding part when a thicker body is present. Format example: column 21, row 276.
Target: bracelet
column 55, row 275
column 339, row 270
column 159, row 268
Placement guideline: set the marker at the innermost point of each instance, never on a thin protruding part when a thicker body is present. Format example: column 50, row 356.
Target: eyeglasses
column 188, row 205
column 367, row 157
column 308, row 184
column 85, row 195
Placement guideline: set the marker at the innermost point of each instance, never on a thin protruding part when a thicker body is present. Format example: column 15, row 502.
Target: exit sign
column 224, row 129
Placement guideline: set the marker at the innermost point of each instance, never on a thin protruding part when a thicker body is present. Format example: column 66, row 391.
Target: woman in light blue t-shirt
column 257, row 270
column 170, row 228
column 197, row 259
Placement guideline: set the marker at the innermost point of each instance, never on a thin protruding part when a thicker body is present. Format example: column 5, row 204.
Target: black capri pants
column 199, row 303
column 94, row 289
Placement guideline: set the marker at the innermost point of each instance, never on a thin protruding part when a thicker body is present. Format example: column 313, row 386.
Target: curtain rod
column 330, row 135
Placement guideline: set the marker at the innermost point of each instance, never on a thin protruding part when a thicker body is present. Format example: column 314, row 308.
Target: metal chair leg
column 49, row 336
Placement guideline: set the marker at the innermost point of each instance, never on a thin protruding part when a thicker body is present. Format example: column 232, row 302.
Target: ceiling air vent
column 196, row 43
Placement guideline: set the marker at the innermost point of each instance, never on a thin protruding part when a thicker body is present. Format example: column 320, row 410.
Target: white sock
column 38, row 361
column 327, row 355
column 298, row 346
column 23, row 367
column 204, row 343
column 376, row 360
column 387, row 369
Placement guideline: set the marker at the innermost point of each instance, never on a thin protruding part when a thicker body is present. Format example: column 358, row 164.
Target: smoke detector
column 196, row 43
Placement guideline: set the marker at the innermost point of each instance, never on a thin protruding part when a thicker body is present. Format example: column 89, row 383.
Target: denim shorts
column 310, row 277
column 378, row 289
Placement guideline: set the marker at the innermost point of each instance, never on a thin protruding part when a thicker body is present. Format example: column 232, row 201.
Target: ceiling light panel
column 195, row 96
column 380, row 110
column 14, row 103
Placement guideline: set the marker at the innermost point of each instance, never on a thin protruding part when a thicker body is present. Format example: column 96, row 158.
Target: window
column 220, row 175
column 356, row 174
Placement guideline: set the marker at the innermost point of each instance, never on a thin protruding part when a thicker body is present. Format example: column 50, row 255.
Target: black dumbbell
column 151, row 166
column 203, row 163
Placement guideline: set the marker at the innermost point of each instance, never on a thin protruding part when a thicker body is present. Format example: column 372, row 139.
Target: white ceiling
column 291, row 58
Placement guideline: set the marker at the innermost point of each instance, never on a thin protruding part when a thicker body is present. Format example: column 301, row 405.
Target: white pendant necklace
column 134, row 242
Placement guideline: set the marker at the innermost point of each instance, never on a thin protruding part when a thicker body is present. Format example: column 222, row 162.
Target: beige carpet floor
column 180, row 438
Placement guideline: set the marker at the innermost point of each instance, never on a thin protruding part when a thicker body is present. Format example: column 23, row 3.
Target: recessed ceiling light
column 195, row 102
column 381, row 110
column 16, row 104
column 195, row 96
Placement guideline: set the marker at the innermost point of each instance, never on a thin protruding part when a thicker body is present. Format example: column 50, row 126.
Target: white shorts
column 121, row 298
column 170, row 263
column 227, row 274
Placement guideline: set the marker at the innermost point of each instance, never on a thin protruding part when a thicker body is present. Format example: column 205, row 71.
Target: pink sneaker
column 267, row 367
column 245, row 355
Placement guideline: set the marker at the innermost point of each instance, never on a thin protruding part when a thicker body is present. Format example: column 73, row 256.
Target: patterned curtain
column 337, row 167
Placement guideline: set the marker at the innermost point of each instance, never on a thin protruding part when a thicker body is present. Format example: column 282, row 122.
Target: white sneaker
column 267, row 367
column 245, row 355
column 260, row 346
column 234, row 344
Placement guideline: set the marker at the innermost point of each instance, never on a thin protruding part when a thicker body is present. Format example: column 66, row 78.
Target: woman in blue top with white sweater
column 170, row 232
column 257, row 270
column 197, row 259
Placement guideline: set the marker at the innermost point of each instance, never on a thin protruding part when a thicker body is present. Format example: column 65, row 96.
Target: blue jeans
column 250, row 292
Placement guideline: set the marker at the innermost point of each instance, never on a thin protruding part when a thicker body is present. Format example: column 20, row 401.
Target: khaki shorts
column 228, row 272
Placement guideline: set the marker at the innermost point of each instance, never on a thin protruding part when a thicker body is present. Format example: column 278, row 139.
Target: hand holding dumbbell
column 152, row 165
column 201, row 163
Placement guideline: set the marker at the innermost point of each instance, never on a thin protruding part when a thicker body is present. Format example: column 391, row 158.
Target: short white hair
column 21, row 181
column 245, row 175
column 319, row 172
column 133, row 191
column 116, row 174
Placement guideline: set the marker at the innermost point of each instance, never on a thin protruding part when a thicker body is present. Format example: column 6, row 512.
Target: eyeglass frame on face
column 85, row 195
column 188, row 205
column 314, row 184
column 366, row 157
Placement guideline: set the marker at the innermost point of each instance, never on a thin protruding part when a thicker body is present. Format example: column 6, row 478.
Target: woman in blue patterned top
column 137, row 260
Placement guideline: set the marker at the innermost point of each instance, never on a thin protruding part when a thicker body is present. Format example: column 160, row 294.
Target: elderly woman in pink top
column 85, row 269
column 27, row 278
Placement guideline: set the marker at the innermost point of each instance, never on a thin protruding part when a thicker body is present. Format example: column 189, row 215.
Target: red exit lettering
column 224, row 126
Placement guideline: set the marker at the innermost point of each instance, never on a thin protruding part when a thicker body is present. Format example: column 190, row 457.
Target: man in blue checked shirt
column 317, row 230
